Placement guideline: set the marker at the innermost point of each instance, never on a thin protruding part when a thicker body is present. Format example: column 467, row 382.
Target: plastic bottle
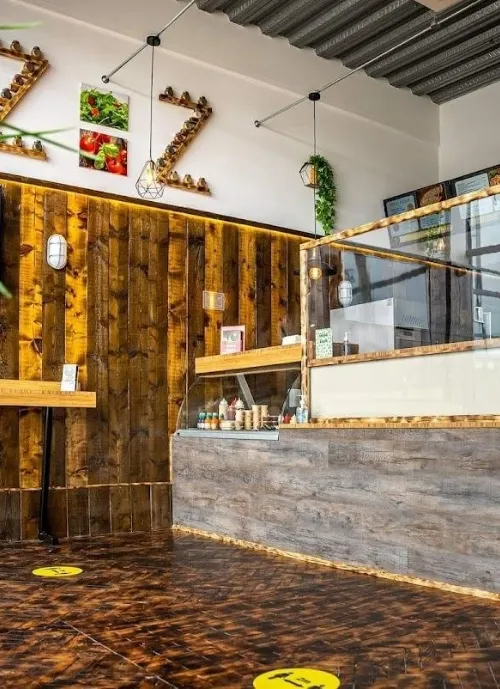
column 239, row 404
column 208, row 422
column 201, row 421
column 223, row 407
column 302, row 412
column 215, row 422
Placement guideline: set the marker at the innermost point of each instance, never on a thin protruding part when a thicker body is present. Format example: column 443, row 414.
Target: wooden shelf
column 400, row 422
column 279, row 358
column 37, row 393
column 427, row 350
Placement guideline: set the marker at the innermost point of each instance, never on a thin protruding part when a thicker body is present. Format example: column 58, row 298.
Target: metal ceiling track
column 442, row 56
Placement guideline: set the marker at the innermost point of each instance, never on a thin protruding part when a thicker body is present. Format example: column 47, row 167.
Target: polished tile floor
column 188, row 613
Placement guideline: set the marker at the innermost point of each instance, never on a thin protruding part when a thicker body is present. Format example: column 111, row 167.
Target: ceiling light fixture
column 148, row 185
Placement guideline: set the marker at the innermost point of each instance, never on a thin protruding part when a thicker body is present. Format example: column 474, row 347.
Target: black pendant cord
column 315, row 170
column 151, row 103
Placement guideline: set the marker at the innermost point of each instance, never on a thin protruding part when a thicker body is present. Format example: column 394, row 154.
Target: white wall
column 380, row 140
column 469, row 133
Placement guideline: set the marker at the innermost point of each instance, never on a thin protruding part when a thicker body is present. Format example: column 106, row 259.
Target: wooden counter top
column 38, row 393
column 450, row 348
column 281, row 358
column 401, row 422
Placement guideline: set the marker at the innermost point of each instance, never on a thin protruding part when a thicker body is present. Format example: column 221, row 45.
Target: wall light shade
column 345, row 293
column 57, row 251
column 309, row 175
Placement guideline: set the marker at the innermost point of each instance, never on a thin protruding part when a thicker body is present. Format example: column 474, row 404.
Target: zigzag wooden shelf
column 182, row 140
column 20, row 150
column 33, row 68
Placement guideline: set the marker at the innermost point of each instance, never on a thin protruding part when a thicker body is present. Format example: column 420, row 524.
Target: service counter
column 398, row 470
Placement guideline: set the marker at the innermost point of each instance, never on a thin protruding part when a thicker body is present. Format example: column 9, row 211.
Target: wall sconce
column 345, row 293
column 57, row 251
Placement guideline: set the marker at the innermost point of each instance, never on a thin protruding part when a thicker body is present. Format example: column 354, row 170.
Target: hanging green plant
column 326, row 197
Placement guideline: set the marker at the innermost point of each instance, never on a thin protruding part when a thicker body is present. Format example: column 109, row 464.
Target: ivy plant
column 326, row 196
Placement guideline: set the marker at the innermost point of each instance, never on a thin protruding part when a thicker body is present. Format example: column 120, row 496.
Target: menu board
column 477, row 181
column 412, row 232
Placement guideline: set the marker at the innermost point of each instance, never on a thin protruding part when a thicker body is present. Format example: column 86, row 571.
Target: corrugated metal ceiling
column 459, row 55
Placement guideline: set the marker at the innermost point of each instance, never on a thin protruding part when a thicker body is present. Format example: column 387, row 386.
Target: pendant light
column 308, row 171
column 148, row 186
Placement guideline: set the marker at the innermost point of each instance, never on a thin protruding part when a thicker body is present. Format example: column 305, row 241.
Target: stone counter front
column 422, row 503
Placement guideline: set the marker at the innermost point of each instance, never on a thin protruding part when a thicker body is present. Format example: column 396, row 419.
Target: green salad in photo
column 104, row 108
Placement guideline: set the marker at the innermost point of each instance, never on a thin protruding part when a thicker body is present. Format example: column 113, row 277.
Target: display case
column 422, row 325
column 265, row 381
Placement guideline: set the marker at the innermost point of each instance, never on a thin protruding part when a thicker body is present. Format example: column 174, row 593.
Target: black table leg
column 44, row 534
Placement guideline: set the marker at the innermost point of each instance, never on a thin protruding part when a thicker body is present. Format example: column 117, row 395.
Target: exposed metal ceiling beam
column 451, row 76
column 337, row 16
column 246, row 11
column 291, row 15
column 466, row 86
column 437, row 40
column 395, row 11
column 446, row 58
column 376, row 46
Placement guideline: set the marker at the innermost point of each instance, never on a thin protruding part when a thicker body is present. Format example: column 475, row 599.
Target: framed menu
column 477, row 181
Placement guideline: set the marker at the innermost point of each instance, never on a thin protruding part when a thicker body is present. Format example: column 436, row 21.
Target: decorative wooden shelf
column 281, row 358
column 450, row 348
column 20, row 150
column 401, row 422
column 36, row 393
column 33, row 68
column 182, row 140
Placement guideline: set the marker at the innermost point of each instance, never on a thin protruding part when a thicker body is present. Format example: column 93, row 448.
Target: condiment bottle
column 239, row 404
column 223, row 408
column 208, row 422
column 215, row 422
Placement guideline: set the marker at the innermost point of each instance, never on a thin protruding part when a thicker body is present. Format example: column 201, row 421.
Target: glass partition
column 428, row 281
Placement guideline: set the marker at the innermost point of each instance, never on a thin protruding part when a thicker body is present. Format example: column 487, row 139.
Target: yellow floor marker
column 59, row 572
column 298, row 678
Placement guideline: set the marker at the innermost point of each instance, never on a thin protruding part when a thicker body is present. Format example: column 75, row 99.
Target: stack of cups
column 248, row 420
column 256, row 417
column 264, row 413
column 239, row 420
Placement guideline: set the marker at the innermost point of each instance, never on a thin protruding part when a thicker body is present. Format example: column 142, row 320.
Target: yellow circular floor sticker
column 296, row 678
column 57, row 571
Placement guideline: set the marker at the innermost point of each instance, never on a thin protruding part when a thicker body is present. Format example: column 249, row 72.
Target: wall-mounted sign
column 214, row 301
column 324, row 343
column 69, row 381
column 232, row 339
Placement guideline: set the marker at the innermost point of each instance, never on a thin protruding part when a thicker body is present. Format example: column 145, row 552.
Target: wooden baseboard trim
column 355, row 569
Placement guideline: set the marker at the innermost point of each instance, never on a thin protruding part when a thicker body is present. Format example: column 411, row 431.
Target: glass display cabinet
column 419, row 294
column 266, row 383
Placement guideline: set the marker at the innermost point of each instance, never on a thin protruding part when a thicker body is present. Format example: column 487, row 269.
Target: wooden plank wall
column 128, row 311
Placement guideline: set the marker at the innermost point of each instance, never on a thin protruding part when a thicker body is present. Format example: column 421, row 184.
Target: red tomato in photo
column 95, row 112
column 103, row 138
column 88, row 143
column 123, row 157
column 115, row 166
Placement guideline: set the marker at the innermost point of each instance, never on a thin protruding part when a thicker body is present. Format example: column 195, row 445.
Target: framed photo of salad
column 104, row 108
column 103, row 152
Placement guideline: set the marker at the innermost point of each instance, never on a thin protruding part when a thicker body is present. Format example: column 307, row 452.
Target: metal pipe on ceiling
column 106, row 77
column 434, row 24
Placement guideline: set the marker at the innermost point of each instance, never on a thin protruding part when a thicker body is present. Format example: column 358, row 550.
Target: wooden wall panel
column 128, row 310
column 54, row 308
column 118, row 359
column 76, row 334
column 9, row 332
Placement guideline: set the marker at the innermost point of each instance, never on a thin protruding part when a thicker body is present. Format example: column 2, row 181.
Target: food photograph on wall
column 103, row 152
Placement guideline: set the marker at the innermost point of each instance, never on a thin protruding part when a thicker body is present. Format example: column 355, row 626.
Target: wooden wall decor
column 19, row 149
column 128, row 310
column 182, row 140
column 33, row 68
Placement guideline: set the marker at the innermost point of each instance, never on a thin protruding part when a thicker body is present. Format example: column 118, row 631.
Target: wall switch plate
column 69, row 381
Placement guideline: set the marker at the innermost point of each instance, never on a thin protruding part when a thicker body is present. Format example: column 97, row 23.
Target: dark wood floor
column 189, row 613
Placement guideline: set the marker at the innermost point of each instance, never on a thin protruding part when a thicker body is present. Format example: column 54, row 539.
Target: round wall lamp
column 57, row 251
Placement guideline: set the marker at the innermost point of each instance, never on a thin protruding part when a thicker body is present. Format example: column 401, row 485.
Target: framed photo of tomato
column 103, row 152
